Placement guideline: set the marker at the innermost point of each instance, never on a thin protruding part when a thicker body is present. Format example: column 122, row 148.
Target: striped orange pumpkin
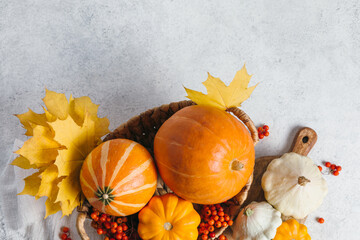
column 118, row 177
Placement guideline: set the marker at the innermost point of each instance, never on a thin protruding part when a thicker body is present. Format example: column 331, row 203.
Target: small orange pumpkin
column 204, row 154
column 168, row 218
column 292, row 229
column 118, row 177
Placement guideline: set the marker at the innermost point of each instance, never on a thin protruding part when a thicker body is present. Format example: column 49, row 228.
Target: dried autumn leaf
column 41, row 149
column 56, row 104
column 22, row 162
column 32, row 184
column 49, row 179
column 221, row 96
column 79, row 141
column 50, row 204
column 63, row 136
column 30, row 117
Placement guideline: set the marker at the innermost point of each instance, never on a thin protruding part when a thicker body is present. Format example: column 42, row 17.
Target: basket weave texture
column 143, row 128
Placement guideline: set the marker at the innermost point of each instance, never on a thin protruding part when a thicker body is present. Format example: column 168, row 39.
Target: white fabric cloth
column 22, row 217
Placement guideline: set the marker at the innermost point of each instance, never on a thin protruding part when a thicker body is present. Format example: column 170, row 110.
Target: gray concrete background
column 129, row 56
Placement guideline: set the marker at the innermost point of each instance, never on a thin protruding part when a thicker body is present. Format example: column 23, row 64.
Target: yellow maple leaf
column 61, row 139
column 56, row 104
column 49, row 179
column 41, row 149
column 79, row 141
column 32, row 184
column 221, row 96
column 22, row 162
column 30, row 118
column 69, row 187
column 81, row 106
column 50, row 204
column 67, row 206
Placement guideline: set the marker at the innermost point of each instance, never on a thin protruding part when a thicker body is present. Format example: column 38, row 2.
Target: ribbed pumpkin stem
column 302, row 181
column 236, row 165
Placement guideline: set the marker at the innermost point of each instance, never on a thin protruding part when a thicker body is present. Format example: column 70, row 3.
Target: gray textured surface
column 129, row 56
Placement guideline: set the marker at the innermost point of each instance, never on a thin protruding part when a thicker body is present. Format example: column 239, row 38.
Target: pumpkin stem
column 302, row 181
column 168, row 226
column 236, row 165
column 248, row 212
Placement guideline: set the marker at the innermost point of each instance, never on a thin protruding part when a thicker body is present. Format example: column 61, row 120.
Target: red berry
column 336, row 173
column 214, row 213
column 107, row 225
column 204, row 237
column 93, row 215
column 218, row 206
column 338, row 168
column 217, row 224
column 216, row 218
column 266, row 134
column 260, row 129
column 221, row 219
column 106, row 238
column 68, row 238
column 102, row 219
column 221, row 214
column 119, row 236
column 210, row 222
column 206, row 232
column 119, row 229
column 321, row 220
column 63, row 236
column 261, row 136
column 227, row 218
column 212, row 235
column 266, row 127
column 124, row 219
column 100, row 231
column 125, row 237
column 65, row 229
column 124, row 227
column 222, row 237
column 119, row 221
column 320, row 168
column 327, row 164
column 333, row 166
column 224, row 224
column 230, row 223
column 211, row 228
column 114, row 225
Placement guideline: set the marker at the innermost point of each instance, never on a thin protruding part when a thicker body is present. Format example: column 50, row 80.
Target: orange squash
column 168, row 218
column 205, row 155
column 292, row 229
column 118, row 177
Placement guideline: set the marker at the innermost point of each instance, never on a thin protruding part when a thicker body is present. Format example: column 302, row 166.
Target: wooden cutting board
column 304, row 141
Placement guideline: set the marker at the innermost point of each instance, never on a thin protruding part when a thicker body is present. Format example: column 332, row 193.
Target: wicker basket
column 143, row 128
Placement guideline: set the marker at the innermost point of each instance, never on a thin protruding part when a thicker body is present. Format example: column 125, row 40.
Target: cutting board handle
column 304, row 141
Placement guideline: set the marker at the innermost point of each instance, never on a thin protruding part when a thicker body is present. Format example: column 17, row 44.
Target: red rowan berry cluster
column 114, row 228
column 65, row 233
column 263, row 131
column 212, row 218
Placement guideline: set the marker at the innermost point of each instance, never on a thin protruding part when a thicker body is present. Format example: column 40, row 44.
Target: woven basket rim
column 124, row 131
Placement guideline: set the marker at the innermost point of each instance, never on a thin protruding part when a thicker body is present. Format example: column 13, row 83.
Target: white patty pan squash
column 257, row 221
column 294, row 185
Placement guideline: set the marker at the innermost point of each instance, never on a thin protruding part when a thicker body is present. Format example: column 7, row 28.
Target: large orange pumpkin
column 118, row 177
column 205, row 155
